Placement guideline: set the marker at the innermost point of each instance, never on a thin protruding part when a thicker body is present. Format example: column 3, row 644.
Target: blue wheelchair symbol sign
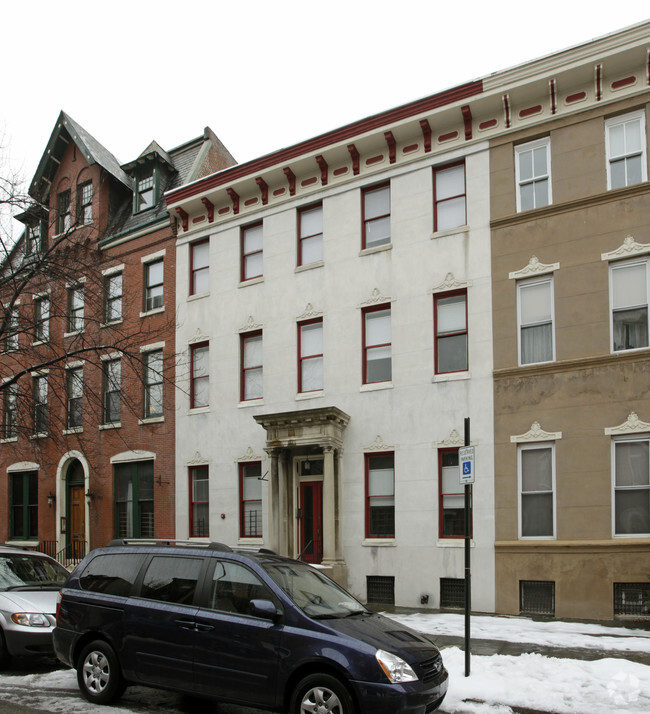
column 466, row 462
column 467, row 468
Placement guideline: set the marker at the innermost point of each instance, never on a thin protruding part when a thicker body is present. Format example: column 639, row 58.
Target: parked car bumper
column 29, row 641
column 408, row 698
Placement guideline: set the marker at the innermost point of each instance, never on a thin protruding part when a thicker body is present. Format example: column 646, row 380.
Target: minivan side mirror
column 264, row 609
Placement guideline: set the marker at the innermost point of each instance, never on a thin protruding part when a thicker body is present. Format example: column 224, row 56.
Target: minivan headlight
column 395, row 668
column 30, row 619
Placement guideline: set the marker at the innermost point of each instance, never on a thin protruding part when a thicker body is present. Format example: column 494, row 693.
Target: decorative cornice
column 198, row 337
column 198, row 460
column 250, row 455
column 250, row 325
column 378, row 445
column 450, row 283
column 309, row 313
column 533, row 268
column 535, row 433
column 628, row 249
column 375, row 299
column 633, row 425
column 454, row 439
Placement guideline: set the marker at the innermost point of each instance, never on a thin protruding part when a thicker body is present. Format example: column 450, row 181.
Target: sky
column 610, row 685
column 262, row 74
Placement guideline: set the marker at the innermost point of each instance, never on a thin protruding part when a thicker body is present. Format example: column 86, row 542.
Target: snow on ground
column 495, row 685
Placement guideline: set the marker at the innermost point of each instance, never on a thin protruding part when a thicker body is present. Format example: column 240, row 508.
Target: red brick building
column 87, row 367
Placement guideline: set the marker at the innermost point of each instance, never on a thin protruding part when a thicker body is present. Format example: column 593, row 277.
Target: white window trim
column 623, row 119
column 628, row 438
column 531, row 145
column 626, row 264
column 527, row 447
column 546, row 278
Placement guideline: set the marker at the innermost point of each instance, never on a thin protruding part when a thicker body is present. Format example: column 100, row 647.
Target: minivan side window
column 233, row 587
column 171, row 579
column 112, row 574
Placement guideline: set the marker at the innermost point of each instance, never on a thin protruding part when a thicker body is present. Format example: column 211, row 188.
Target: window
column 153, row 384
column 24, row 505
column 153, row 281
column 537, row 491
column 449, row 197
column 250, row 494
column 112, row 382
column 63, row 212
column 113, row 297
column 376, row 345
column 632, row 599
column 452, row 496
column 170, row 579
column 75, row 396
column 134, row 499
column 626, row 150
column 199, row 501
column 533, row 173
column 12, row 328
column 629, row 301
column 380, row 589
column 199, row 375
column 450, row 313
column 36, row 238
column 310, row 235
column 535, row 308
column 10, row 411
column 537, row 597
column 233, row 587
column 145, row 193
column 40, row 404
column 42, row 318
column 452, row 593
column 251, row 252
column 75, row 308
column 251, row 365
column 200, row 267
column 112, row 574
column 310, row 355
column 85, row 203
column 376, row 216
column 631, row 487
column 380, row 496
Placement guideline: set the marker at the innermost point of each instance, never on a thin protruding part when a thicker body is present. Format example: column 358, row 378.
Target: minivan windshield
column 315, row 594
column 30, row 572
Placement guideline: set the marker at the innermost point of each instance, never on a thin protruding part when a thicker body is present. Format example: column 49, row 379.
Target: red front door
column 311, row 523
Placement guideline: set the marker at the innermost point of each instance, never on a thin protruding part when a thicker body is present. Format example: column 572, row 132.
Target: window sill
column 198, row 410
column 376, row 386
column 36, row 343
column 459, row 230
column 40, row 435
column 73, row 430
column 251, row 402
column 155, row 311
column 376, row 249
column 115, row 425
column 251, row 281
column 247, row 542
column 458, row 542
column 9, row 440
column 380, row 542
column 152, row 420
column 198, row 296
column 316, row 394
column 309, row 266
column 73, row 333
column 451, row 377
column 22, row 543
column 119, row 321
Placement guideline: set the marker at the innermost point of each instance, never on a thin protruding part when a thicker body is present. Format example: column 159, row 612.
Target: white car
column 29, row 584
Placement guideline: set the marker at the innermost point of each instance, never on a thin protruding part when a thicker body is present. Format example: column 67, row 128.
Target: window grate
column 380, row 589
column 452, row 593
column 537, row 597
column 632, row 599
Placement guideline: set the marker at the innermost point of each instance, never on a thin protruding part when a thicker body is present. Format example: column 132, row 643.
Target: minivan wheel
column 321, row 694
column 98, row 673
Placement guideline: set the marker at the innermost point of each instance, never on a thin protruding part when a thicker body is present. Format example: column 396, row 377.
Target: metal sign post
column 466, row 467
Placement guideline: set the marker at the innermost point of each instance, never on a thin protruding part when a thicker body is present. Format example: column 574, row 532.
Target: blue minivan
column 240, row 626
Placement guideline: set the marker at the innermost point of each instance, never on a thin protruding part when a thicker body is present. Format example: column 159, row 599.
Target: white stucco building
column 334, row 312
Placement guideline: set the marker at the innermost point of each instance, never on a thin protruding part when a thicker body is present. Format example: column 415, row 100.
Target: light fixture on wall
column 51, row 499
column 90, row 496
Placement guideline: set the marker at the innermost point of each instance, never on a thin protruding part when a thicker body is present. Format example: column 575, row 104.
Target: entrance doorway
column 311, row 523
column 76, row 536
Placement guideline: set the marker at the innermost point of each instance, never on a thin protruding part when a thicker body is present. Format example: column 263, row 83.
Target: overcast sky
column 263, row 74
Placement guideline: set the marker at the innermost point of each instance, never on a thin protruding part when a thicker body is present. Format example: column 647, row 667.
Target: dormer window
column 85, row 203
column 145, row 193
column 63, row 212
column 36, row 238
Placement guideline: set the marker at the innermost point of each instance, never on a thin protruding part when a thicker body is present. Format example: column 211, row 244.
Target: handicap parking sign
column 466, row 463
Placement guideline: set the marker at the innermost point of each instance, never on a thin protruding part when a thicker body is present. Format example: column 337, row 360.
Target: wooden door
column 77, row 522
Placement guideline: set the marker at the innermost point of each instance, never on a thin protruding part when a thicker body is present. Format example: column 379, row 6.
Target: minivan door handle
column 186, row 624
column 203, row 628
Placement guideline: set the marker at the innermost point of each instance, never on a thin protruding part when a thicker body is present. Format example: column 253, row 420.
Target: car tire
column 5, row 657
column 322, row 693
column 98, row 673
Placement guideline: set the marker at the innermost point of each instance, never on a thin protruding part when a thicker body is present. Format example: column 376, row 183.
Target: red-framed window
column 310, row 355
column 450, row 325
column 250, row 499
column 451, row 496
column 199, row 501
column 251, row 252
column 380, row 495
column 376, row 337
column 375, row 209
column 199, row 375
column 310, row 234
column 251, row 365
column 449, row 199
column 200, row 266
